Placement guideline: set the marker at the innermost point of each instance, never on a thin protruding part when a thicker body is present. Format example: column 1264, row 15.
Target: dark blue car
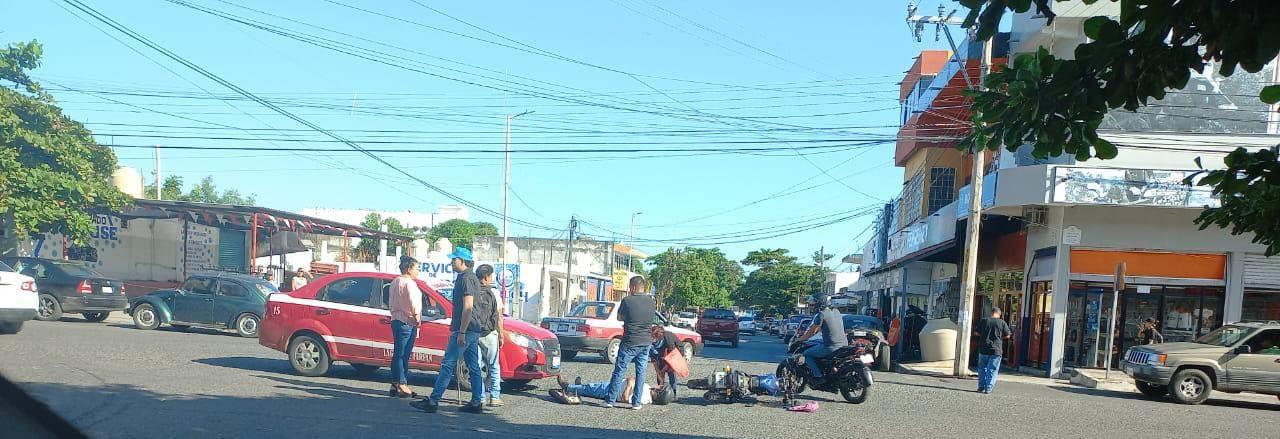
column 206, row 300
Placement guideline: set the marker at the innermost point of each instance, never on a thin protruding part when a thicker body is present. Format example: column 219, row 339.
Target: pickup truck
column 1239, row 357
column 719, row 325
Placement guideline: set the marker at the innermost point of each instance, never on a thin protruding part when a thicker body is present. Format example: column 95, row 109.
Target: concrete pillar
column 1061, row 289
column 1234, row 301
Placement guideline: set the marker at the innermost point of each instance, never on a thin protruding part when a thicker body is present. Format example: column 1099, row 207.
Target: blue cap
column 461, row 253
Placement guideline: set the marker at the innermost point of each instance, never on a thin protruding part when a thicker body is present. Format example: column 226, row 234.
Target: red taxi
column 345, row 317
column 595, row 327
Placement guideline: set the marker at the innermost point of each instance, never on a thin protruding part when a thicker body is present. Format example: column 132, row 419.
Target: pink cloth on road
column 406, row 301
column 808, row 407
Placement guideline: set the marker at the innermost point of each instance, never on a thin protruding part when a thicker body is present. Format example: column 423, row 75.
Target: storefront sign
column 1071, row 235
column 202, row 247
column 908, row 241
column 1144, row 289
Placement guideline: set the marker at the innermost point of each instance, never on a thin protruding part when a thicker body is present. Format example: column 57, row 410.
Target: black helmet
column 664, row 395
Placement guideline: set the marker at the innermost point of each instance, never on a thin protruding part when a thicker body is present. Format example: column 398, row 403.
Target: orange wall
column 1152, row 264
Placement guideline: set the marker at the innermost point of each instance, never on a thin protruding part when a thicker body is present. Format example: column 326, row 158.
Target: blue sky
column 622, row 74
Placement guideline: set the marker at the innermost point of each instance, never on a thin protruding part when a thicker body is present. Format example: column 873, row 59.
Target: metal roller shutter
column 1261, row 271
column 231, row 252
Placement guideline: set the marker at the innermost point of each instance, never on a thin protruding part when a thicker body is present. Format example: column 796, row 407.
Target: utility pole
column 822, row 269
column 632, row 244
column 970, row 264
column 159, row 177
column 503, row 282
column 568, row 264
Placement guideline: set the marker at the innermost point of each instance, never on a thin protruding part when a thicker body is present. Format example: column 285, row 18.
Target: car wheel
column 95, row 316
column 884, row 359
column 1151, row 390
column 686, row 348
column 364, row 369
column 462, row 376
column 247, row 325
column 145, row 317
column 568, row 355
column 309, row 356
column 50, row 310
column 855, row 396
column 10, row 327
column 610, row 352
column 1190, row 386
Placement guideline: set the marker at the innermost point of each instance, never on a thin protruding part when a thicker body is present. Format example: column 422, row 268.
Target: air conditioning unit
column 1036, row 215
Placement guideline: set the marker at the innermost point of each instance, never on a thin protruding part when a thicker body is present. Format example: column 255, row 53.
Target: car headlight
column 525, row 341
column 1157, row 359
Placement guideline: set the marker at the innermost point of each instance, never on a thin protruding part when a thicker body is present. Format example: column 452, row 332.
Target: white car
column 18, row 299
column 747, row 325
column 686, row 319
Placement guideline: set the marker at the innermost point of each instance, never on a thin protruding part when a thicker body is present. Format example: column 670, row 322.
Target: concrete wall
column 143, row 250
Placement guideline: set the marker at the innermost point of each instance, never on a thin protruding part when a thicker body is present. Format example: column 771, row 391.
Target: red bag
column 675, row 361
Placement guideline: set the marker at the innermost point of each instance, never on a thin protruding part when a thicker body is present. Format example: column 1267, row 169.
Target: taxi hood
column 522, row 327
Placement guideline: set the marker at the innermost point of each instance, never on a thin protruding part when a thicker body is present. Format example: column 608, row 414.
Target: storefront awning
column 246, row 217
column 928, row 254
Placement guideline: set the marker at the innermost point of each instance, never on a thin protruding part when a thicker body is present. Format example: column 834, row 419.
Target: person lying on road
column 571, row 393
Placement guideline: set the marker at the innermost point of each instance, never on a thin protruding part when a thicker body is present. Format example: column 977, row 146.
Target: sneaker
column 564, row 385
column 472, row 408
column 426, row 405
column 495, row 402
column 636, row 407
column 578, row 381
column 608, row 405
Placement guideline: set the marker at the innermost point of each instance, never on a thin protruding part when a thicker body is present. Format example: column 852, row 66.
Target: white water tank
column 128, row 180
column 938, row 340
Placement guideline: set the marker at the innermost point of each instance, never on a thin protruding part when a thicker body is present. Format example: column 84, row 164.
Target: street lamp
column 631, row 250
column 506, row 189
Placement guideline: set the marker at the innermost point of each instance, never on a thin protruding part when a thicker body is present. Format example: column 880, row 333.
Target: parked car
column 346, row 317
column 206, row 300
column 719, row 325
column 19, row 299
column 686, row 319
column 789, row 325
column 764, row 324
column 798, row 329
column 747, row 325
column 71, row 287
column 595, row 327
column 869, row 331
column 1240, row 357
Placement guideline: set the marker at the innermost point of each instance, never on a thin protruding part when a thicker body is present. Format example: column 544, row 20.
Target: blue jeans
column 489, row 351
column 402, row 336
column 811, row 357
column 590, row 390
column 627, row 355
column 470, row 353
column 988, row 369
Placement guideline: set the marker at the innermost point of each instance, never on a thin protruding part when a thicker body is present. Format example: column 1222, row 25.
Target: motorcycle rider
column 831, row 323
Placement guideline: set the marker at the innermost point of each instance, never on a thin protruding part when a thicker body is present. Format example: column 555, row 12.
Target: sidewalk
column 943, row 369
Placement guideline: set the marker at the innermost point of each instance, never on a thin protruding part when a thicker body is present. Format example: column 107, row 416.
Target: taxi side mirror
column 1244, row 349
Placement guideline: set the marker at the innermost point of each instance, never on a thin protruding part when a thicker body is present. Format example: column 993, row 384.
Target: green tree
column 778, row 282
column 204, row 192
column 53, row 175
column 694, row 277
column 460, row 232
column 1056, row 105
column 367, row 249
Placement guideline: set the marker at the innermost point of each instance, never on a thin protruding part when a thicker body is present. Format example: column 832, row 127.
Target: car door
column 1256, row 365
column 231, row 300
column 349, row 312
column 433, row 335
column 194, row 302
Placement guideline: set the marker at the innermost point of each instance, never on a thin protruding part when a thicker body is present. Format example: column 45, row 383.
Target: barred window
column 942, row 188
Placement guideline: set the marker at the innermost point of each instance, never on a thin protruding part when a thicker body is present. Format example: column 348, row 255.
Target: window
column 231, row 289
column 719, row 314
column 1265, row 343
column 77, row 270
column 1260, row 305
column 198, row 285
column 942, row 188
column 5, row 267
column 428, row 302
column 593, row 310
column 912, row 199
column 34, row 269
column 351, row 291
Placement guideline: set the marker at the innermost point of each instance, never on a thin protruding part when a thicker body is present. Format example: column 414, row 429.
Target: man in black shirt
column 991, row 333
column 466, row 328
column 637, row 313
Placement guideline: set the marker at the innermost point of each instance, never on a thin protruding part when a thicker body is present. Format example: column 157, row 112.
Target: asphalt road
column 115, row 381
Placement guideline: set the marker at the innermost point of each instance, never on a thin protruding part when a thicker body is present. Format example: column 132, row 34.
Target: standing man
column 490, row 312
column 637, row 313
column 465, row 331
column 831, row 323
column 991, row 333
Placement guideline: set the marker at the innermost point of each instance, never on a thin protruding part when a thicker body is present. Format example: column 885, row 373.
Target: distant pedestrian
column 464, row 339
column 991, row 333
column 406, row 316
column 299, row 280
column 1147, row 333
column 490, row 311
column 637, row 313
column 270, row 277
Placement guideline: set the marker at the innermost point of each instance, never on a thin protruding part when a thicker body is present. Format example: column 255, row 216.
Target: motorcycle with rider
column 833, row 365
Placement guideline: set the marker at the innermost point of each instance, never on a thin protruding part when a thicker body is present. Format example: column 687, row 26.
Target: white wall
column 146, row 250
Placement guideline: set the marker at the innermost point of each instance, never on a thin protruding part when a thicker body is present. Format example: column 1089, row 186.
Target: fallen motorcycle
column 846, row 371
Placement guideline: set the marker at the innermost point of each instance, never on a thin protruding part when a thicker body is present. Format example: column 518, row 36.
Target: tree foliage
column 778, row 282
column 1057, row 105
column 694, row 277
column 53, row 175
column 461, row 232
column 204, row 192
column 367, row 249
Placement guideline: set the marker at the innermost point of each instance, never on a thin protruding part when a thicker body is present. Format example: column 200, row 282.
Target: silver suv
column 1239, row 357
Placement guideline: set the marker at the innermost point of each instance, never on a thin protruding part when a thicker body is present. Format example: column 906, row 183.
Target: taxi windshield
column 594, row 310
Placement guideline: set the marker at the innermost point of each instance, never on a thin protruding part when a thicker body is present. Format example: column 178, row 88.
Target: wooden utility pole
column 969, row 282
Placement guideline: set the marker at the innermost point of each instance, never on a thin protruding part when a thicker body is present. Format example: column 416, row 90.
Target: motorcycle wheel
column 855, row 396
